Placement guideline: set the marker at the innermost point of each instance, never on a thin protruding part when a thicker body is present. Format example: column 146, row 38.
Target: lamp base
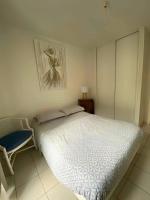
column 84, row 95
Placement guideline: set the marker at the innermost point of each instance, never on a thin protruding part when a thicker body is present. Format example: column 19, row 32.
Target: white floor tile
column 147, row 144
column 145, row 151
column 11, row 192
column 44, row 197
column 60, row 193
column 48, row 180
column 141, row 179
column 21, row 159
column 146, row 129
column 131, row 192
column 119, row 188
column 32, row 190
column 40, row 162
column 25, row 169
column 36, row 154
column 114, row 198
column 144, row 163
column 12, row 196
column 4, row 165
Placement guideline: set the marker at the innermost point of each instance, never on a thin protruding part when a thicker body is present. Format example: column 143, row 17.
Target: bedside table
column 87, row 104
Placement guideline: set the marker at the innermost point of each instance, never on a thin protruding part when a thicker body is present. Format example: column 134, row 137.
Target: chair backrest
column 8, row 125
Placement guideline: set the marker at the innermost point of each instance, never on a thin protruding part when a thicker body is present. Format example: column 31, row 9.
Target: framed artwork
column 51, row 64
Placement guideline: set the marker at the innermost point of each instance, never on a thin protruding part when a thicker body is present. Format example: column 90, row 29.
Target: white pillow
column 72, row 109
column 49, row 115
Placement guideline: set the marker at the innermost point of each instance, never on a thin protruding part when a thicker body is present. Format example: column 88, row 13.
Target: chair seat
column 13, row 140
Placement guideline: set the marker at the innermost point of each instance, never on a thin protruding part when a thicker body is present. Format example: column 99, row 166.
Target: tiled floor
column 34, row 180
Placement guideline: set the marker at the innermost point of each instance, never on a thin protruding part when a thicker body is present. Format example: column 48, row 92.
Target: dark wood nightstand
column 87, row 104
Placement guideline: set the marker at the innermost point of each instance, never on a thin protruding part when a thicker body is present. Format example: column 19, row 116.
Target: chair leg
column 34, row 142
column 8, row 162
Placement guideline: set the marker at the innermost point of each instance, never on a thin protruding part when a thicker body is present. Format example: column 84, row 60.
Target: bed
column 87, row 153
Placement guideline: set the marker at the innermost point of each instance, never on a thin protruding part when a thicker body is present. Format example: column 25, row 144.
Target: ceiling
column 79, row 22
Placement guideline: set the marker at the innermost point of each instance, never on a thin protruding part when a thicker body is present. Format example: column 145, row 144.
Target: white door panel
column 106, row 80
column 126, row 73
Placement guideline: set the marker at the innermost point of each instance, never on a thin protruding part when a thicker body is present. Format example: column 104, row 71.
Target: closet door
column 126, row 74
column 106, row 80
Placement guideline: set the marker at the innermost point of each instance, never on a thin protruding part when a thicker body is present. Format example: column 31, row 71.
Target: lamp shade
column 84, row 89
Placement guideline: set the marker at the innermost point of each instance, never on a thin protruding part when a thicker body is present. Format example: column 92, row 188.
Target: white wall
column 146, row 84
column 91, row 73
column 148, row 88
column 4, row 79
column 19, row 87
column 19, row 79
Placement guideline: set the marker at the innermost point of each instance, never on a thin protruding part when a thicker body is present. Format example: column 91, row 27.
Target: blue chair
column 16, row 133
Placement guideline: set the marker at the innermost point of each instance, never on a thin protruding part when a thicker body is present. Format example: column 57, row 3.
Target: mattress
column 88, row 153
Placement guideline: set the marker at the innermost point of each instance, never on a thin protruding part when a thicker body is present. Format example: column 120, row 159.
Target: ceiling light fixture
column 106, row 7
column 106, row 4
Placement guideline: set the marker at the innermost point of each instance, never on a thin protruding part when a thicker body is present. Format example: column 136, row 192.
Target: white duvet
column 88, row 153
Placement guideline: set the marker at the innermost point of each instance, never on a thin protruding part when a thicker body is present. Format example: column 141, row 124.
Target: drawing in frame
column 51, row 64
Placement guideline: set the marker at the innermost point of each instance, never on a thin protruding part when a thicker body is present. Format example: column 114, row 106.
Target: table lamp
column 84, row 91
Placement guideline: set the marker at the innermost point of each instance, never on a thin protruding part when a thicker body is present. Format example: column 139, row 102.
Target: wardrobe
column 120, row 72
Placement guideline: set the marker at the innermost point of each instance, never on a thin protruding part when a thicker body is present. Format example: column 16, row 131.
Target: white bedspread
column 88, row 153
